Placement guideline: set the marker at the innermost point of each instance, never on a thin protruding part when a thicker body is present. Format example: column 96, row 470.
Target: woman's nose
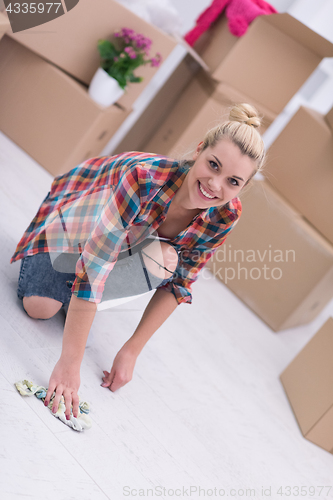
column 216, row 187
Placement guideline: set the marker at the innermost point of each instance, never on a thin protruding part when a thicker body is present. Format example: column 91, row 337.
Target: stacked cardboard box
column 44, row 78
column 265, row 67
column 298, row 177
column 308, row 382
column 274, row 261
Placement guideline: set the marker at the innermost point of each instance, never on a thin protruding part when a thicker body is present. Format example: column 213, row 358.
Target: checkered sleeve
column 191, row 262
column 101, row 249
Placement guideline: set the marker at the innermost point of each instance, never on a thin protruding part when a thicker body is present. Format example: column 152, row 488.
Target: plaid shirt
column 106, row 203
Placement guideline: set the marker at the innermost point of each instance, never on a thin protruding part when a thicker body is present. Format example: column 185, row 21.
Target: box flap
column 308, row 379
column 298, row 31
column 192, row 52
column 300, row 167
column 216, row 43
column 322, row 433
column 273, row 60
column 4, row 23
column 329, row 118
column 316, row 117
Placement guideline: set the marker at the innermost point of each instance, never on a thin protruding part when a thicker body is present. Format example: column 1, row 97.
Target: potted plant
column 119, row 60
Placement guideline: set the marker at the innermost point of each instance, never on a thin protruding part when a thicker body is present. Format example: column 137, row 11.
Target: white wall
column 189, row 10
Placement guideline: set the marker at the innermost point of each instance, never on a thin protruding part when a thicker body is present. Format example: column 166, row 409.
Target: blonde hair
column 241, row 129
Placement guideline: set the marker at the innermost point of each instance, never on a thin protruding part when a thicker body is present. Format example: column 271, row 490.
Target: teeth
column 205, row 193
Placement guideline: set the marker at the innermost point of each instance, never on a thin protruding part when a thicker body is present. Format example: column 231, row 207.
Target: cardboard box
column 300, row 167
column 201, row 106
column 270, row 62
column 275, row 262
column 4, row 25
column 70, row 41
column 49, row 114
column 308, row 382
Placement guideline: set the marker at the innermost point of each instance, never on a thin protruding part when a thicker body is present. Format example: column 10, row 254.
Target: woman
column 170, row 216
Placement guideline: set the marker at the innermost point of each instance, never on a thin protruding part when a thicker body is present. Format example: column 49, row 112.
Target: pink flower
column 139, row 42
column 133, row 45
column 127, row 32
column 142, row 42
column 156, row 61
column 131, row 52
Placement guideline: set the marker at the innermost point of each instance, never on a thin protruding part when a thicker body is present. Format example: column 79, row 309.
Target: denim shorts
column 52, row 275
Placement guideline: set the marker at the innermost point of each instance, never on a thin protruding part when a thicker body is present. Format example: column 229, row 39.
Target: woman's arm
column 159, row 308
column 65, row 378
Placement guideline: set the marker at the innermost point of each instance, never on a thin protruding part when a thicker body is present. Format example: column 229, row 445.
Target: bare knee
column 165, row 259
column 41, row 307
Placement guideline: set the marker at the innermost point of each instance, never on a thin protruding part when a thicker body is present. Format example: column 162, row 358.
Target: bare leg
column 41, row 307
column 162, row 253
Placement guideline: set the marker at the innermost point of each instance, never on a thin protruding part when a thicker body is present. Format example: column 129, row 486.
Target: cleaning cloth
column 82, row 422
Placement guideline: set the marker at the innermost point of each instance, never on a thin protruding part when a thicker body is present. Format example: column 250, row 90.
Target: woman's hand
column 122, row 369
column 161, row 305
column 65, row 378
column 65, row 381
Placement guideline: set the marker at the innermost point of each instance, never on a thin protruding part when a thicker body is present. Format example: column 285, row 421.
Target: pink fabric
column 240, row 14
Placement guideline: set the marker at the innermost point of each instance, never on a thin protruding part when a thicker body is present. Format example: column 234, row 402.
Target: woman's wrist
column 133, row 346
column 159, row 308
column 79, row 319
column 72, row 363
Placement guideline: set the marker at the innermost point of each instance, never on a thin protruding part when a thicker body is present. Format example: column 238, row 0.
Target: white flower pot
column 104, row 89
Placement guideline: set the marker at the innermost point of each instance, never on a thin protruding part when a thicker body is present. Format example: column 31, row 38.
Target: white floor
column 205, row 408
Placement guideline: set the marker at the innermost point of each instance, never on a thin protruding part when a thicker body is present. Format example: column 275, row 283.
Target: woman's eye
column 214, row 165
column 234, row 182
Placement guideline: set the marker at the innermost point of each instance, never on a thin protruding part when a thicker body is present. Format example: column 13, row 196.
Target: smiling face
column 217, row 176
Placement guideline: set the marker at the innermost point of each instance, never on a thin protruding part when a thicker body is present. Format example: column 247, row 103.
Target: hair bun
column 245, row 113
